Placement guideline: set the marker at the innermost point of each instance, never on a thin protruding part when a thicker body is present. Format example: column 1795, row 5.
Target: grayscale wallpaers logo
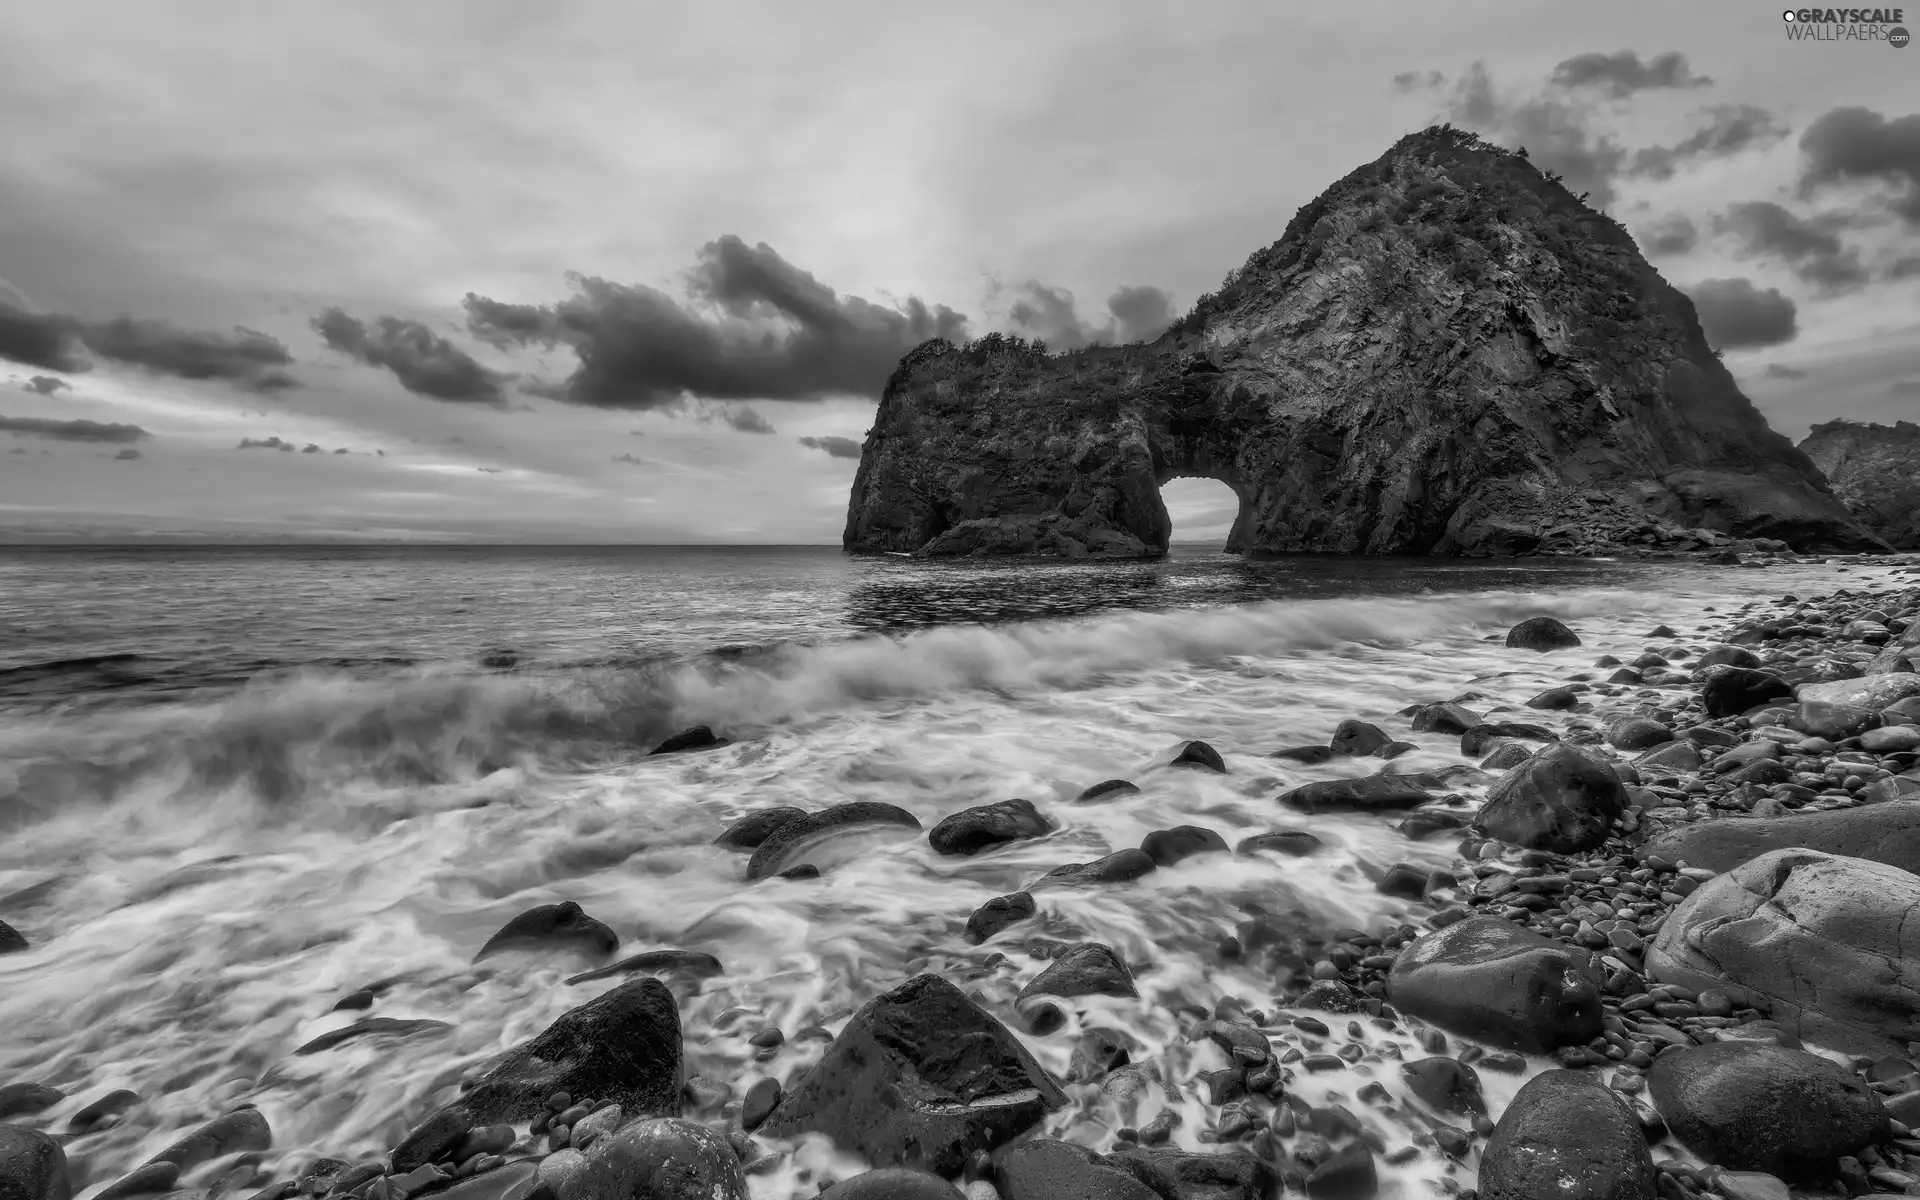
column 1847, row 25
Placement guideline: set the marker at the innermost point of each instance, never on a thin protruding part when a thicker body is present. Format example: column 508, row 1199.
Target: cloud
column 45, row 385
column 1413, row 81
column 269, row 443
column 310, row 448
column 343, row 450
column 1558, row 124
column 245, row 357
column 1858, row 145
column 836, row 447
column 1049, row 313
column 1736, row 315
column 1783, row 371
column 752, row 327
column 71, row 431
column 1904, row 267
column 632, row 459
column 44, row 340
column 1621, row 73
column 1729, row 129
column 746, row 420
column 1905, row 387
column 1674, row 233
column 1763, row 229
column 127, row 455
column 1557, row 134
column 425, row 363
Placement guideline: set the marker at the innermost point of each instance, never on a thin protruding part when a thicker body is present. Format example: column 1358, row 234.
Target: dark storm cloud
column 1413, row 81
column 1858, row 145
column 310, row 448
column 246, row 358
column 71, row 431
column 1905, row 267
column 44, row 340
column 631, row 460
column 343, row 450
column 754, row 327
column 1671, row 234
column 1728, row 129
column 1558, row 124
column 836, row 447
column 1763, row 229
column 268, row 443
column 127, row 455
column 1134, row 314
column 1905, row 387
column 45, row 385
column 425, row 363
column 1621, row 73
column 1736, row 315
column 1783, row 371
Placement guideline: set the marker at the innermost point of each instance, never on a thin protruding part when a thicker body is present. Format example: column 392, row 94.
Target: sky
column 592, row 271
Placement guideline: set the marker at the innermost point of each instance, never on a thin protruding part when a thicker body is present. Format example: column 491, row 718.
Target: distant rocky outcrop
column 1875, row 470
column 1446, row 353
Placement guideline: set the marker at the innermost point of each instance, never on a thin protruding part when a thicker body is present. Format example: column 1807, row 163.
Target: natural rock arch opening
column 1200, row 509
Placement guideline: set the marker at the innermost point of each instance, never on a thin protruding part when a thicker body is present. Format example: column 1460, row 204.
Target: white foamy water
column 201, row 878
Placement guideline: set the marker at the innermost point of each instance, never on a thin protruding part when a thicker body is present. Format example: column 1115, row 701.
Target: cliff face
column 1446, row 353
column 1875, row 470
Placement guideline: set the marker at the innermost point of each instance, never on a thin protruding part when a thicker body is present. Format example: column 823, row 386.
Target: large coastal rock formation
column 1447, row 353
column 1875, row 471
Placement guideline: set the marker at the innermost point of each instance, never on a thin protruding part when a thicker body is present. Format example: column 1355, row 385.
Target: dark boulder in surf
column 563, row 926
column 1200, row 756
column 1541, row 633
column 1730, row 691
column 386, row 1027
column 1109, row 789
column 623, row 1046
column 1444, row 717
column 1089, row 969
column 697, row 738
column 1561, row 799
column 999, row 913
column 957, row 1082
column 1047, row 1169
column 829, row 833
column 20, row 1099
column 892, row 1183
column 1311, row 756
column 11, row 940
column 32, row 1166
column 1121, row 866
column 1569, row 1136
column 1370, row 793
column 686, row 962
column 748, row 832
column 1169, row 846
column 1358, row 738
column 1294, row 843
column 1476, row 740
column 1487, row 978
column 984, row 826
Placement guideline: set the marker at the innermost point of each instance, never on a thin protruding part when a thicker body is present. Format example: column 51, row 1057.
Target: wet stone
column 1167, row 847
column 999, row 913
column 1201, row 756
column 980, row 828
column 1110, row 789
column 558, row 926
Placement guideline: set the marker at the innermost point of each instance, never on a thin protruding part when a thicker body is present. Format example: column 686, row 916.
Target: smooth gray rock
column 32, row 1166
column 1885, row 833
column 1823, row 942
column 829, row 836
column 663, row 1158
column 985, row 826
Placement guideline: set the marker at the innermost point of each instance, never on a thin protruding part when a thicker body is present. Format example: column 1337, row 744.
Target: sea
column 237, row 783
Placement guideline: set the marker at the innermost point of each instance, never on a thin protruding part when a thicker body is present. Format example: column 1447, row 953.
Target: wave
column 273, row 746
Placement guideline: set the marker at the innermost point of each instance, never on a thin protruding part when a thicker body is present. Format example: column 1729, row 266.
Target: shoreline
column 1532, row 888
